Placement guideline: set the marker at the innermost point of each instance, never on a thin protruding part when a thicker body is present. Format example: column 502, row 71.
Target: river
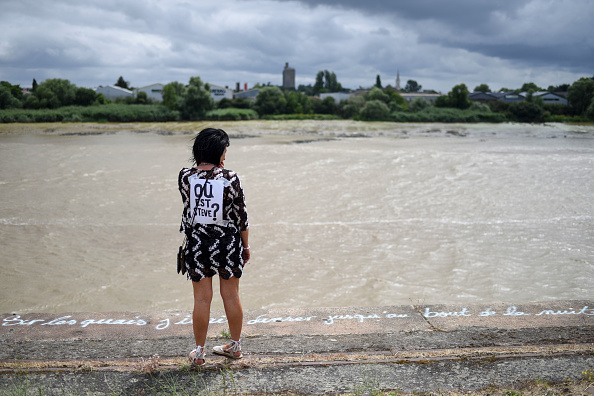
column 342, row 213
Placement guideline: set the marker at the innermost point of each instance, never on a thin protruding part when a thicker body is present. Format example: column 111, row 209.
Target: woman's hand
column 246, row 256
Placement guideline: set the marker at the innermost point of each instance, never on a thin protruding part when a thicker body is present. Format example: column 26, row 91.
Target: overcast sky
column 438, row 43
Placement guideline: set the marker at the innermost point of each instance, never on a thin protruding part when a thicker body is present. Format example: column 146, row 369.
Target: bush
column 284, row 117
column 377, row 94
column 231, row 114
column 568, row 119
column 109, row 113
column 351, row 107
column 375, row 110
column 270, row 100
column 527, row 112
column 436, row 114
column 418, row 104
column 480, row 107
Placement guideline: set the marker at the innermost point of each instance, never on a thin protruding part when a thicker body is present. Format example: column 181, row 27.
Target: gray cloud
column 437, row 43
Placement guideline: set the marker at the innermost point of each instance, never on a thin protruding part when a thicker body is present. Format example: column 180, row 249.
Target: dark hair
column 209, row 146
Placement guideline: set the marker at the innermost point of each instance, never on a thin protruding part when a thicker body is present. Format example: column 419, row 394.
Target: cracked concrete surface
column 305, row 351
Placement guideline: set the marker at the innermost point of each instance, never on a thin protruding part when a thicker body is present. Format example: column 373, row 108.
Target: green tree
column 100, row 99
column 141, row 97
column 443, row 101
column 12, row 95
column 326, row 106
column 84, row 96
column 478, row 106
column 580, row 94
column 122, row 83
column 293, row 104
column 530, row 87
column 375, row 110
column 319, row 84
column 538, row 100
column 378, row 81
column 482, row 88
column 326, row 81
column 47, row 99
column 31, row 102
column 34, row 85
column 412, row 86
column 15, row 90
column 352, row 106
column 558, row 88
column 224, row 103
column 7, row 100
column 377, row 94
column 527, row 112
column 297, row 103
column 242, row 103
column 172, row 95
column 306, row 89
column 196, row 100
column 270, row 100
column 397, row 102
column 54, row 93
column 418, row 104
column 458, row 97
column 331, row 82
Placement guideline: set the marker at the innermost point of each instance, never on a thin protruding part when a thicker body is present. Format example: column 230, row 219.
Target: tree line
column 192, row 101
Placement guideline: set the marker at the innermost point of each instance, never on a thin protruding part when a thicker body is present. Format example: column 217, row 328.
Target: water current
column 342, row 213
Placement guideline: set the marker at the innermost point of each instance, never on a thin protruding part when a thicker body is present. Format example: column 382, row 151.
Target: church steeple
column 398, row 80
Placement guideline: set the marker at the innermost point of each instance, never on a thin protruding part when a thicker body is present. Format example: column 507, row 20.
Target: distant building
column 288, row 77
column 484, row 97
column 112, row 92
column 360, row 92
column 338, row 96
column 397, row 80
column 218, row 93
column 153, row 91
column 428, row 96
column 248, row 94
column 549, row 97
column 510, row 97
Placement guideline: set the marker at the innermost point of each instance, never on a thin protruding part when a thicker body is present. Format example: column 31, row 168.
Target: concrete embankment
column 305, row 351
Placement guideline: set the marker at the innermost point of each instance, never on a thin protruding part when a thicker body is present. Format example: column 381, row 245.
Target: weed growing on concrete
column 369, row 386
column 18, row 385
column 225, row 334
column 224, row 373
column 168, row 385
column 588, row 375
column 148, row 366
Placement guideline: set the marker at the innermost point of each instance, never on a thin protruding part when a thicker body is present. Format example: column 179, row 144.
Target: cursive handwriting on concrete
column 265, row 319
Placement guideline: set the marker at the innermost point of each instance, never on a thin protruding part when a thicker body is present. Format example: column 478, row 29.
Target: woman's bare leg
column 233, row 309
column 201, row 314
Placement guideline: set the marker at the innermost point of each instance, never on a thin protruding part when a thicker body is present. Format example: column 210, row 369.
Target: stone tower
column 288, row 77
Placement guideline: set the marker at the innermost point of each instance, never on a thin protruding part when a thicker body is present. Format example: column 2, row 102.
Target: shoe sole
column 229, row 355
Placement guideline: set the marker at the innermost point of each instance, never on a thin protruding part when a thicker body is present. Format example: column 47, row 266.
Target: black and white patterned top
column 213, row 248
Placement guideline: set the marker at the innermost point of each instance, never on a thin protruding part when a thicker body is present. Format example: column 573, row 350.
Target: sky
column 437, row 43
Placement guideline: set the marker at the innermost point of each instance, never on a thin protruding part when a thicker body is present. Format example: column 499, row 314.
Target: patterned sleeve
column 239, row 206
column 184, row 189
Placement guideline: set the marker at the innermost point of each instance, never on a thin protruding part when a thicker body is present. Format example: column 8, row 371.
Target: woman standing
column 216, row 225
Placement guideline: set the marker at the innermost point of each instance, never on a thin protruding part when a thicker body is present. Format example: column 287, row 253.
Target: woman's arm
column 246, row 246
